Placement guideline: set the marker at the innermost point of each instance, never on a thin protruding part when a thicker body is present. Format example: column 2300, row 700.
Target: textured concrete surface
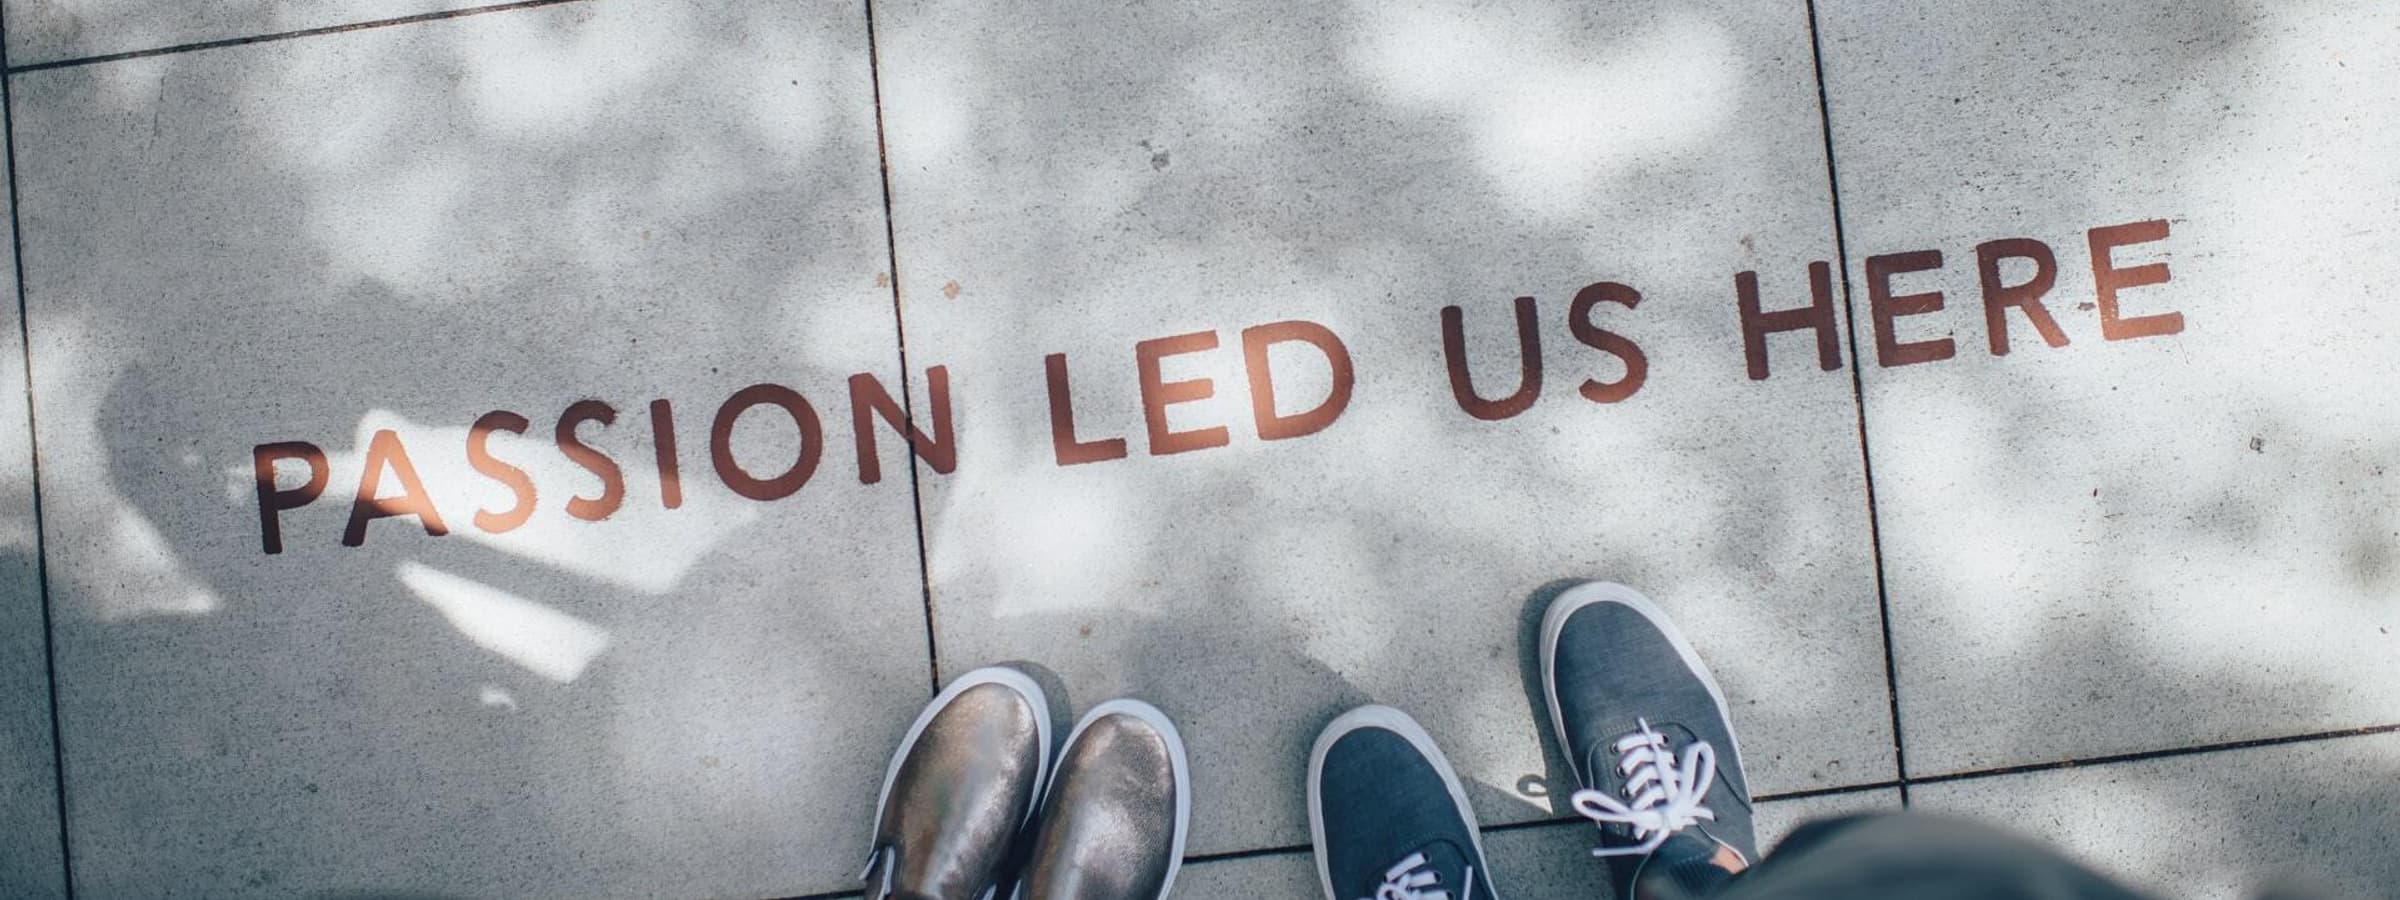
column 2161, row 542
column 405, row 228
column 2216, row 826
column 43, row 31
column 1079, row 180
column 30, row 864
column 1535, row 863
column 2124, row 545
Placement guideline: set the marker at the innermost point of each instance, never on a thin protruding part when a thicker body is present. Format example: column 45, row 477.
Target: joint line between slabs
column 41, row 547
column 1871, row 786
column 908, row 410
column 1858, row 395
column 2167, row 753
column 1232, row 855
column 285, row 35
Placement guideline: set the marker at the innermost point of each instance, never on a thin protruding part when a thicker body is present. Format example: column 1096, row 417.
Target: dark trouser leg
column 1913, row 855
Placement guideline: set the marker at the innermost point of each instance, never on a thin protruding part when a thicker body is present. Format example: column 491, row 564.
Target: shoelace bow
column 1412, row 879
column 1662, row 794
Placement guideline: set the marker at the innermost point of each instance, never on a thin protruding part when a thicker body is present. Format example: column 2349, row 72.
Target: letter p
column 272, row 501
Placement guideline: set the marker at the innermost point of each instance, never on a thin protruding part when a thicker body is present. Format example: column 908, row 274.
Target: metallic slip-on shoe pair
column 965, row 782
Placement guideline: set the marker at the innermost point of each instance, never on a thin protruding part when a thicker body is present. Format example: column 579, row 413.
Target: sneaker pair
column 1641, row 722
column 973, row 784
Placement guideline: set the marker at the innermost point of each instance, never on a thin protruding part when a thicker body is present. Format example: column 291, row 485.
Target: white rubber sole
column 1396, row 722
column 1587, row 594
column 1176, row 759
column 1000, row 675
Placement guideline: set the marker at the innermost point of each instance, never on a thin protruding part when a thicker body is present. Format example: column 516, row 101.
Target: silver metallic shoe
column 960, row 789
column 1114, row 818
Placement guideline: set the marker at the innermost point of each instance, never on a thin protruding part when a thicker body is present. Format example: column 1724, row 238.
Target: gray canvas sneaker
column 960, row 789
column 1388, row 816
column 1114, row 817
column 1645, row 728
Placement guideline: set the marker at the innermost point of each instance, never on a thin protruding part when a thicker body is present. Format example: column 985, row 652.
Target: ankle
column 1690, row 878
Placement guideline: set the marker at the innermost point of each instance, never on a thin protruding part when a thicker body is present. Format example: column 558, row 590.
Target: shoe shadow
column 1543, row 857
column 1062, row 707
column 1557, row 780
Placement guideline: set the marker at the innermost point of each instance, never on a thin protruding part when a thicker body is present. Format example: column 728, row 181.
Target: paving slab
column 2213, row 826
column 30, row 854
column 1535, row 863
column 2173, row 519
column 618, row 672
column 1089, row 196
column 42, row 31
column 1778, row 818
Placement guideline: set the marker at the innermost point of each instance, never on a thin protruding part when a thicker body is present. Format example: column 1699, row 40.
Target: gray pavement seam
column 283, row 35
column 41, row 564
column 1858, row 393
column 891, row 249
column 1871, row 786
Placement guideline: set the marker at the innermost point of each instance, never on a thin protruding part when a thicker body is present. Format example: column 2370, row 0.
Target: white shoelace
column 1412, row 879
column 1662, row 794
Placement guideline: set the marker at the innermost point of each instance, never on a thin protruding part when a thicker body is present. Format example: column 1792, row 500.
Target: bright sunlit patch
column 497, row 697
column 1552, row 120
column 641, row 547
column 396, row 222
column 792, row 115
column 133, row 570
column 151, row 576
column 546, row 642
column 943, row 95
column 1077, row 535
column 535, row 82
